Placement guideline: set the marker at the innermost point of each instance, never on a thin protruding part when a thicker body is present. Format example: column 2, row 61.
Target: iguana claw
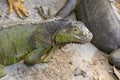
column 42, row 14
column 17, row 6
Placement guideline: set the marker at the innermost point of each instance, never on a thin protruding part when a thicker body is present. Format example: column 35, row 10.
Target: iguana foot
column 47, row 57
column 37, row 55
column 18, row 7
column 42, row 14
column 2, row 71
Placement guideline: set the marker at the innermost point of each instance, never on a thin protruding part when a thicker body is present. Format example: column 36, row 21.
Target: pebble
column 78, row 72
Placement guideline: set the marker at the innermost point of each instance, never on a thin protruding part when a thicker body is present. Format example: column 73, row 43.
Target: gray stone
column 85, row 56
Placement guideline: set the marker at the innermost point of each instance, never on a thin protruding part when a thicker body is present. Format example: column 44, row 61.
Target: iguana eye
column 75, row 30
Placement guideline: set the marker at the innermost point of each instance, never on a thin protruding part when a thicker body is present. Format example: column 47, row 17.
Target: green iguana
column 35, row 42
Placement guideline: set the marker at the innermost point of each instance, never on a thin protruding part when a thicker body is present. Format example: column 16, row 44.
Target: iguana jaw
column 84, row 39
column 63, row 37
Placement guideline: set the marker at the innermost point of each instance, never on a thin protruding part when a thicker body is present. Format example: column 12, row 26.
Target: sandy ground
column 72, row 62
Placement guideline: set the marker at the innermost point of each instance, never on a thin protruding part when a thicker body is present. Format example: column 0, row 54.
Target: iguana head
column 75, row 32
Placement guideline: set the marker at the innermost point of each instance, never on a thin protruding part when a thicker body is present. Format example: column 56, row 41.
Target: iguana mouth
column 85, row 38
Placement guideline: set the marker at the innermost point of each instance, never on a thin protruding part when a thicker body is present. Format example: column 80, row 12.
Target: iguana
column 35, row 42
column 18, row 7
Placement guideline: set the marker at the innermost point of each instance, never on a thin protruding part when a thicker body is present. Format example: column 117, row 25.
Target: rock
column 65, row 61
column 92, row 64
column 78, row 72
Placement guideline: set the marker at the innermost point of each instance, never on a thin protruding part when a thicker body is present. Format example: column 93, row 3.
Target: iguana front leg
column 37, row 55
column 18, row 7
column 2, row 71
column 48, row 56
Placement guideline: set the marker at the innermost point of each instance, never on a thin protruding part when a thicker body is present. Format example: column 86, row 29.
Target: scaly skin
column 36, row 42
column 18, row 7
